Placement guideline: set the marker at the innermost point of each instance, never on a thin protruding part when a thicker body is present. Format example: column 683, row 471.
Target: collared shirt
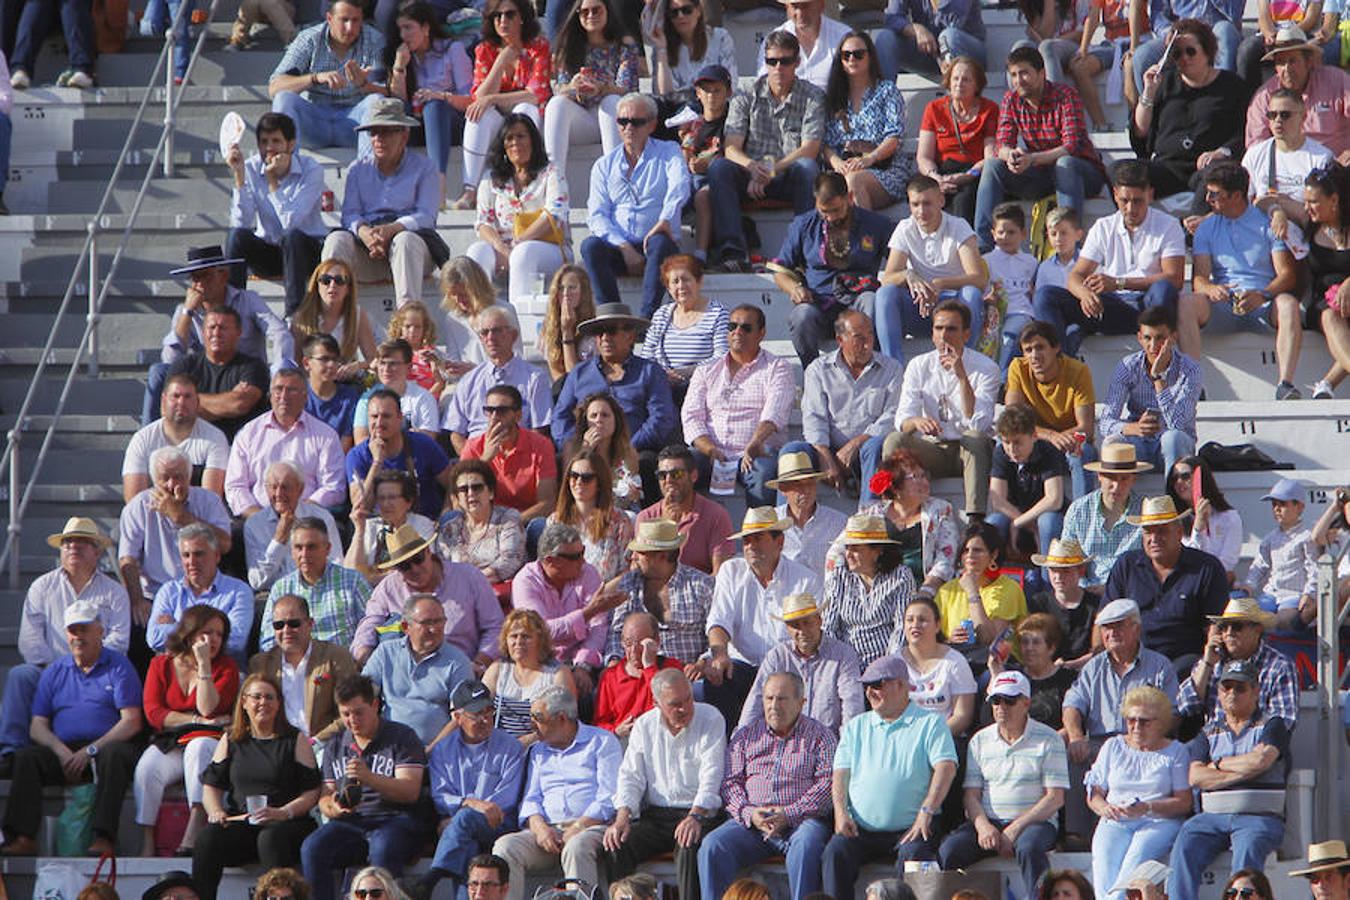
column 836, row 406
column 890, row 765
column 1285, row 566
column 42, row 627
column 728, row 406
column 643, row 393
column 1025, row 481
column 776, row 128
column 810, row 545
column 519, row 469
column 464, row 413
column 410, row 195
column 1085, row 522
column 936, row 253
column 293, row 684
column 1174, row 611
column 1219, row 741
column 314, row 448
column 930, row 390
column 869, row 618
column 792, row 772
column 1278, row 690
column 706, row 527
column 578, row 780
column 1326, row 98
column 151, row 539
column 294, row 205
column 417, row 692
column 682, row 628
column 1057, row 120
column 626, row 201
column 1240, row 249
column 814, row 66
column 1013, row 777
column 1121, row 253
column 259, row 327
column 574, row 639
column 80, row 707
column 804, row 248
column 473, row 617
column 394, row 748
column 1098, row 690
column 336, row 603
column 673, row 770
column 832, row 676
column 492, row 770
column 268, row 560
column 311, row 51
column 229, row 595
column 205, row 447
column 746, row 610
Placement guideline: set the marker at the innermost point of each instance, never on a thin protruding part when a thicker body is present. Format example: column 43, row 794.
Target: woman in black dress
column 1326, row 197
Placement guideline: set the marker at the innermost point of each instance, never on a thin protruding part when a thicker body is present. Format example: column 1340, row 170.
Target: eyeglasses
column 293, row 624
column 774, row 62
column 626, row 121
column 860, row 53
column 670, row 474
column 498, row 410
column 1231, row 626
column 1236, row 687
column 679, row 12
column 471, row 487
column 339, row 280
column 571, row 557
column 538, row 716
column 1272, row 115
column 407, row 564
column 1138, row 720
column 505, row 14
column 611, row 329
column 747, row 327
column 363, row 893
column 1182, row 474
column 1243, row 892
column 583, row 477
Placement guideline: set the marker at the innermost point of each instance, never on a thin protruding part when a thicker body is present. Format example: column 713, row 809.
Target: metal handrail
column 98, row 288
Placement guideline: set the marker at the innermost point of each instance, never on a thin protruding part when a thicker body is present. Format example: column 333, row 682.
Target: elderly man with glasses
column 466, row 412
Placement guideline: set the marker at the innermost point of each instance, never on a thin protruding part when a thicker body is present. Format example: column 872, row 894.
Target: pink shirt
column 312, row 445
column 473, row 617
column 574, row 639
column 707, row 528
column 1327, row 97
column 728, row 408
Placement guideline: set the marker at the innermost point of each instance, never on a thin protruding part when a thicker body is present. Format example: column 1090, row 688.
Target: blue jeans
column 1060, row 309
column 731, row 847
column 897, row 314
column 962, row 848
column 604, row 263
column 1010, row 347
column 764, row 469
column 319, row 126
column 16, row 709
column 1072, row 179
column 389, row 843
column 6, row 134
column 897, row 53
column 35, row 23
column 1117, row 847
column 1205, row 835
column 1228, row 36
column 467, row 835
column 1162, row 449
column 727, row 182
column 845, row 856
column 438, row 122
column 154, row 387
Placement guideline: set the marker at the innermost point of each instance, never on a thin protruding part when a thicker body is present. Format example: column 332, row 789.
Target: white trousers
column 409, row 261
column 566, row 121
column 578, row 860
column 529, row 260
column 478, row 138
column 156, row 770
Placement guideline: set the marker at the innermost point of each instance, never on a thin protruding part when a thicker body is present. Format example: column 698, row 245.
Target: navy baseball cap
column 714, row 73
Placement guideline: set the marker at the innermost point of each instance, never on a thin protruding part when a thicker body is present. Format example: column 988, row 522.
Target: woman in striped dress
column 527, row 666
column 690, row 331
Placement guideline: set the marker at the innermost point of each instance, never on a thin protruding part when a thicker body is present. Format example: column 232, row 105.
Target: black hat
column 174, row 878
column 470, row 695
column 204, row 258
column 1240, row 670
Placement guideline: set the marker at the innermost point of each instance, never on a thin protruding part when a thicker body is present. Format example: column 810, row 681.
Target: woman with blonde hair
column 526, row 668
column 638, row 886
column 372, row 879
column 330, row 307
column 465, row 292
column 570, row 302
column 587, row 504
column 601, row 427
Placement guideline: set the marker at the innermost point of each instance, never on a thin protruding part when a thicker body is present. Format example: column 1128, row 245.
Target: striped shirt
column 676, row 348
column 336, row 603
column 793, row 773
column 1013, row 777
column 868, row 619
column 1278, row 690
column 1132, row 392
column 1085, row 523
column 727, row 407
column 682, row 628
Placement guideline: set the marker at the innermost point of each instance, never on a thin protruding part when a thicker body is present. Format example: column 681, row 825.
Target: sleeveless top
column 513, row 699
column 1328, row 265
column 261, row 767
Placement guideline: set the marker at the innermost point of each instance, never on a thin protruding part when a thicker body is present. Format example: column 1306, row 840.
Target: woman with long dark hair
column 586, row 502
column 1216, row 527
column 683, row 45
column 865, row 124
column 594, row 64
column 1326, row 198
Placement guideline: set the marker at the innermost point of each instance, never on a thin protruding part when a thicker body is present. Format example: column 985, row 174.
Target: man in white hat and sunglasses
column 1239, row 634
column 42, row 632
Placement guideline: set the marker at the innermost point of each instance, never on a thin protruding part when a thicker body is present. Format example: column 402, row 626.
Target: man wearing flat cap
column 892, row 770
column 1239, row 634
column 814, row 526
column 389, row 207
column 1328, row 871
column 677, row 595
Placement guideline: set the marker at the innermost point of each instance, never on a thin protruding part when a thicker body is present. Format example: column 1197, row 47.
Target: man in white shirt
column 307, row 669
column 818, row 35
column 179, row 425
column 670, row 783
column 742, row 625
column 1131, row 260
column 946, row 412
column 934, row 257
column 814, row 527
column 1279, row 164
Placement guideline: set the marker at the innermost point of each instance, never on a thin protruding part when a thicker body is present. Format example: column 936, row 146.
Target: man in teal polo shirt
column 892, row 769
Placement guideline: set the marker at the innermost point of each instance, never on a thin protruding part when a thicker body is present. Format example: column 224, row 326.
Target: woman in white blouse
column 682, row 45
column 1216, row 527
column 940, row 679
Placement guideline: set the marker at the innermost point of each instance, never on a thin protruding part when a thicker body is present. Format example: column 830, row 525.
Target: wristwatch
column 91, row 749
column 931, row 810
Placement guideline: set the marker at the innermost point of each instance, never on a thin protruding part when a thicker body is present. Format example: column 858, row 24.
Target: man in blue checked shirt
column 633, row 211
column 202, row 582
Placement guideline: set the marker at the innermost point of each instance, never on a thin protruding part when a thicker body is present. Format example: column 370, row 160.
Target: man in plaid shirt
column 1043, row 145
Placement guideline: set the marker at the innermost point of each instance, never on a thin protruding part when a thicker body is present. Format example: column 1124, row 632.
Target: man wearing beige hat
column 1071, row 606
column 677, row 595
column 1239, row 634
column 1175, row 586
column 1328, row 871
column 1097, row 520
column 826, row 665
column 742, row 624
column 814, row 527
column 42, row 633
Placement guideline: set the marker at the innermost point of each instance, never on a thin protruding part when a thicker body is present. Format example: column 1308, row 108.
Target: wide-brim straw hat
column 1244, row 609
column 1065, row 553
column 1118, row 458
column 760, row 519
column 80, row 527
column 795, row 466
column 863, row 529
column 656, row 535
column 1157, row 511
column 386, row 112
column 403, row 543
column 1323, row 856
column 797, row 606
column 1290, row 37
column 612, row 313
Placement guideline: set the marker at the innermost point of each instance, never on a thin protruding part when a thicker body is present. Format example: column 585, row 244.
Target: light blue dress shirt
column 229, row 595
column 410, row 196
column 464, row 413
column 578, row 780
column 293, row 205
column 1098, row 691
column 625, row 202
column 492, row 770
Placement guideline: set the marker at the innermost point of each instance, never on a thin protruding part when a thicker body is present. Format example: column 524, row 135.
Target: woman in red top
column 957, row 136
column 625, row 690
column 189, row 693
column 511, row 70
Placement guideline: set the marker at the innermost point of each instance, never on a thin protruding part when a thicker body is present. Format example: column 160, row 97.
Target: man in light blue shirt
column 569, row 794
column 275, row 224
column 464, row 417
column 202, row 583
column 633, row 211
column 417, row 672
column 389, row 208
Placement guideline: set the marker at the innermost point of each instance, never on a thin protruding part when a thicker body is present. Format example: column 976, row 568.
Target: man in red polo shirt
column 706, row 524
column 527, row 472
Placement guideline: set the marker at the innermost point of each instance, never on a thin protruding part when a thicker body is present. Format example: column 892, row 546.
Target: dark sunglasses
column 507, row 14
column 854, row 54
column 571, row 557
column 407, row 564
column 1188, row 49
column 670, row 474
column 1221, row 627
column 774, row 62
column 497, row 410
column 636, row 122
column 293, row 624
column 1282, row 115
column 363, row 893
column 1243, row 892
column 1000, row 700
column 471, row 487
column 583, row 477
column 747, row 327
column 339, row 280
column 612, row 329
column 679, row 12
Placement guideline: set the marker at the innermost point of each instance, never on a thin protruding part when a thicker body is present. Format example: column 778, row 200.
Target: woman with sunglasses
column 570, row 302
column 594, row 64
column 864, row 125
column 956, row 135
column 375, row 883
column 281, row 884
column 395, row 497
column 601, row 429
column 330, row 307
column 587, row 504
column 1139, row 787
column 261, row 755
column 979, row 603
column 475, row 530
column 526, row 668
column 1326, row 198
column 511, row 67
column 189, row 692
column 1248, row 884
column 1216, row 528
column 682, row 46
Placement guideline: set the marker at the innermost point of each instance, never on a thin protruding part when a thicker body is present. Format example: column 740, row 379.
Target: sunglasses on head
column 860, row 53
column 339, row 280
column 774, row 62
column 1282, row 115
column 293, row 624
column 634, row 121
column 411, row 561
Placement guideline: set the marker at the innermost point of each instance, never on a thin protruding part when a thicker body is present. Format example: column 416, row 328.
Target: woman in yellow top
column 980, row 595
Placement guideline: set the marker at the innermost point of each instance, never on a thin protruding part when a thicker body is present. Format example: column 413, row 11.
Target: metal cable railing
column 21, row 487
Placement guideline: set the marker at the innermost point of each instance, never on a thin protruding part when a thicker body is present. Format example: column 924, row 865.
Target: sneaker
column 1322, row 390
column 1286, row 391
column 80, row 79
column 20, row 80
